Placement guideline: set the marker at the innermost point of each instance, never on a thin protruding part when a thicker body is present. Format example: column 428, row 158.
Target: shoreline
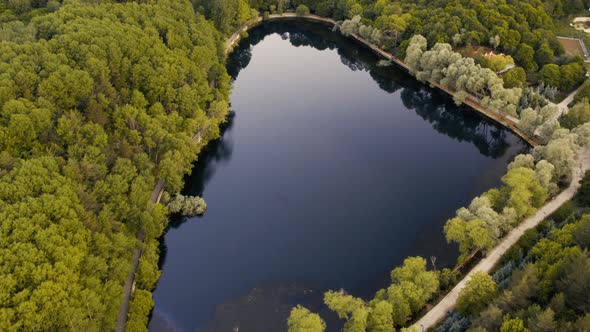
column 471, row 101
column 231, row 42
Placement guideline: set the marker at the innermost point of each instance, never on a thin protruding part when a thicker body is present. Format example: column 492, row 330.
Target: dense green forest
column 523, row 29
column 97, row 102
column 100, row 99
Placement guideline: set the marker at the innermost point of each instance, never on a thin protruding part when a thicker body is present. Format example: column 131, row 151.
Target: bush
column 502, row 275
column 550, row 75
column 139, row 309
column 187, row 205
column 401, row 49
column 147, row 274
column 572, row 75
column 526, row 242
column 583, row 196
column 302, row 320
column 513, row 325
column 478, row 291
column 499, row 62
column 583, row 92
column 565, row 77
column 582, row 232
column 563, row 212
column 454, row 323
column 448, row 279
column 515, row 78
column 266, row 16
column 302, row 10
column 578, row 115
column 280, row 8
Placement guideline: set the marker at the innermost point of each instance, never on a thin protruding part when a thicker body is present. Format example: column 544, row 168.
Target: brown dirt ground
column 572, row 47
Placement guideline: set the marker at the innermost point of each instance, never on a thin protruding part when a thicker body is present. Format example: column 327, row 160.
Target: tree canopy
column 97, row 101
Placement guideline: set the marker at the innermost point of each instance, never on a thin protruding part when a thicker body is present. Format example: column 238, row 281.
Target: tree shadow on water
column 216, row 153
column 434, row 106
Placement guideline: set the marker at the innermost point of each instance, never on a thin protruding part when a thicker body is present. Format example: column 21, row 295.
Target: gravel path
column 439, row 312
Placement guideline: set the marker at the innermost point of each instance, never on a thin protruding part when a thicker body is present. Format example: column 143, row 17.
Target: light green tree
column 478, row 291
column 400, row 304
column 302, row 320
column 357, row 321
column 522, row 160
column 513, row 325
column 381, row 318
column 560, row 152
column 523, row 191
column 470, row 235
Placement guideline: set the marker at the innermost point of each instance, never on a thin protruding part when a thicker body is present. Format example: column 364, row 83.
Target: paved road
column 447, row 304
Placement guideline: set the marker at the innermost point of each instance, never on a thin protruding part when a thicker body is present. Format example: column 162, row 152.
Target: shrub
column 583, row 196
column 478, row 291
column 526, row 242
column 583, row 92
column 515, row 78
column 302, row 320
column 187, row 205
column 513, row 325
column 448, row 279
column 302, row 10
column 139, row 309
column 563, row 212
column 578, row 115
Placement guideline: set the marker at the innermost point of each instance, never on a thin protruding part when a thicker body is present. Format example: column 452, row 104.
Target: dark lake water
column 331, row 171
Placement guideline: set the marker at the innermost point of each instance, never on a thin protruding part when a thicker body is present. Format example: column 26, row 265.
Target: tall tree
column 478, row 291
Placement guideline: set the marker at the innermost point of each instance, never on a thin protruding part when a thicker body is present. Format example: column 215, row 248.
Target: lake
column 331, row 170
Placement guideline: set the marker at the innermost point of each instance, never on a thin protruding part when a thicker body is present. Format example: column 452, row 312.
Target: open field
column 572, row 46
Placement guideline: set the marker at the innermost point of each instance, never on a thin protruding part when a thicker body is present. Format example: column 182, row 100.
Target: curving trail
column 439, row 312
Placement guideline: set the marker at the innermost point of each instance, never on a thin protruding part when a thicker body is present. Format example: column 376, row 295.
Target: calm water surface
column 330, row 172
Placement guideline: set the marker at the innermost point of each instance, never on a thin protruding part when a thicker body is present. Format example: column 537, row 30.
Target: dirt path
column 447, row 304
column 130, row 281
column 563, row 108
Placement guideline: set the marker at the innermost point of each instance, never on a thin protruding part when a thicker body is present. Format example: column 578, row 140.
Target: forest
column 542, row 283
column 97, row 103
column 99, row 100
column 523, row 29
